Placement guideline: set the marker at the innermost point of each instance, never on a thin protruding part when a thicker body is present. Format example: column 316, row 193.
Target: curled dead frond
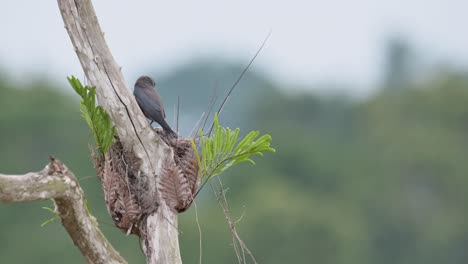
column 180, row 178
column 121, row 202
column 174, row 187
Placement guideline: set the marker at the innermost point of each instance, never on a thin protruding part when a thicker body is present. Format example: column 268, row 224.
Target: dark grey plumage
column 150, row 101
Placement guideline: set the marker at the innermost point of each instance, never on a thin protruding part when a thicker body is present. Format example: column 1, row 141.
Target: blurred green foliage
column 376, row 180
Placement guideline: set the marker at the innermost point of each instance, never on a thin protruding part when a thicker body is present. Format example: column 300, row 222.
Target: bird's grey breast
column 150, row 101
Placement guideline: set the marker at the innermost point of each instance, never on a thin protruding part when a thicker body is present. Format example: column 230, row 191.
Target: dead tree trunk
column 136, row 136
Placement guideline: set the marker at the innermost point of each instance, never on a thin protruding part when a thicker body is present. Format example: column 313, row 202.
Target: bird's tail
column 167, row 128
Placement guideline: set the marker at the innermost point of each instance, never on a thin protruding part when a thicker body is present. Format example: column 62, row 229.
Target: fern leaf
column 95, row 116
column 221, row 150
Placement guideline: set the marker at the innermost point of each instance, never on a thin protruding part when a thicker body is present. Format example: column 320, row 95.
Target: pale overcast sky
column 311, row 41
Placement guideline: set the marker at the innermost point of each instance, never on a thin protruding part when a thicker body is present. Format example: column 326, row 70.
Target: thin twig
column 226, row 214
column 238, row 79
column 212, row 103
column 199, row 232
column 177, row 120
column 197, row 125
column 237, row 241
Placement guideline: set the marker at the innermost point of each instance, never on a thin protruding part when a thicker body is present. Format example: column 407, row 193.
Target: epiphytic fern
column 97, row 119
column 222, row 150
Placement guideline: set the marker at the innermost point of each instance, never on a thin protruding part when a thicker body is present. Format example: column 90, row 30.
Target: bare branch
column 56, row 182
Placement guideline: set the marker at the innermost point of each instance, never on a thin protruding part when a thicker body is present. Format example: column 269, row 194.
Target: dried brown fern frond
column 121, row 202
column 174, row 187
column 186, row 160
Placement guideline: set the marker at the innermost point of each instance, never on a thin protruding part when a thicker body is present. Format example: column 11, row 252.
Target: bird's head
column 145, row 82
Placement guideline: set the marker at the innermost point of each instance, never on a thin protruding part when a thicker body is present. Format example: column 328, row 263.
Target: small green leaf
column 48, row 209
column 49, row 221
column 56, row 217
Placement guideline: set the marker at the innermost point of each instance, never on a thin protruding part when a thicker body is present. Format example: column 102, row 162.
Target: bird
column 150, row 102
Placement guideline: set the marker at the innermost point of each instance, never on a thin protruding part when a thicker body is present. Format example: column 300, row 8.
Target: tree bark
column 56, row 182
column 161, row 235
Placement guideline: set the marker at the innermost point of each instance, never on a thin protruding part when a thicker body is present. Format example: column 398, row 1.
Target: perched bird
column 150, row 102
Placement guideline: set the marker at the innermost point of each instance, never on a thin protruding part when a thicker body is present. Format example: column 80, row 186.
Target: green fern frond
column 95, row 116
column 221, row 150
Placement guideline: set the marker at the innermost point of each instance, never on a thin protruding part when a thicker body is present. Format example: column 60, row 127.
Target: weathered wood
column 158, row 228
column 56, row 182
column 115, row 97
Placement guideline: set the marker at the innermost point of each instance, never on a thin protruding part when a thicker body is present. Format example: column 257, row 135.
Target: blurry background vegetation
column 380, row 179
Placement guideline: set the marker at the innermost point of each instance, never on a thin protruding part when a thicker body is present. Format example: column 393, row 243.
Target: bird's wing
column 160, row 103
column 150, row 102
